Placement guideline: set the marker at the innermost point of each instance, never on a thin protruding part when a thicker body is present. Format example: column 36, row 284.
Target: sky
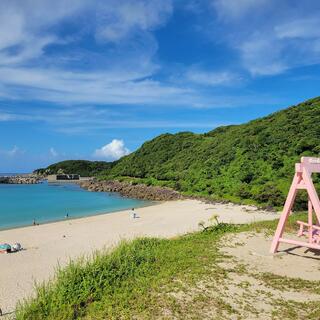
column 94, row 79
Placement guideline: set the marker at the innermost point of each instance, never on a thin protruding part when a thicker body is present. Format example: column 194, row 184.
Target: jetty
column 21, row 179
column 66, row 178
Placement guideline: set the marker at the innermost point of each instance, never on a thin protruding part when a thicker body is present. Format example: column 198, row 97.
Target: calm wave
column 21, row 204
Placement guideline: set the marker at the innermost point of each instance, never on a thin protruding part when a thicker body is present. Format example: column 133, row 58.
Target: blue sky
column 94, row 79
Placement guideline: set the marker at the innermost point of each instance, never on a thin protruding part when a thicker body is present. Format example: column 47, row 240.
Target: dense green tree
column 83, row 167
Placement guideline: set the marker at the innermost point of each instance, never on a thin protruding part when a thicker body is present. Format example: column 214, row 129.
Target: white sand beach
column 49, row 244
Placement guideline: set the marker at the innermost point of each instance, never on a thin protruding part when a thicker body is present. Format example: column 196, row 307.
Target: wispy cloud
column 271, row 36
column 263, row 56
column 108, row 87
column 4, row 117
column 11, row 152
column 40, row 60
column 211, row 78
column 84, row 120
column 25, row 26
column 53, row 152
column 121, row 73
column 299, row 29
column 119, row 20
column 237, row 9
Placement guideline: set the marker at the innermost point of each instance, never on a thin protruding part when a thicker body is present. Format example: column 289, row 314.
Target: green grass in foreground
column 132, row 281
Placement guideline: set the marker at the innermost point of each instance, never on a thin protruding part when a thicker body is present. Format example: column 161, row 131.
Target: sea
column 21, row 204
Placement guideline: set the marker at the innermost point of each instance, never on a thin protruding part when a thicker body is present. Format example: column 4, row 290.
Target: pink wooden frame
column 302, row 180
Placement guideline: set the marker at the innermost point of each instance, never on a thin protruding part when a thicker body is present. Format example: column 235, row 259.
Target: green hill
column 83, row 167
column 251, row 163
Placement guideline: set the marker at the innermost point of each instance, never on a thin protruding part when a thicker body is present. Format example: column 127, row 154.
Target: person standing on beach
column 133, row 213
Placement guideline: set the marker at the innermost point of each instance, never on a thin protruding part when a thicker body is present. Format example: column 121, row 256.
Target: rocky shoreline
column 137, row 191
column 21, row 179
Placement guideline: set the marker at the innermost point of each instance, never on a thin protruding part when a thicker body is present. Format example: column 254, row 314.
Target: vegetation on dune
column 148, row 278
column 250, row 163
column 123, row 283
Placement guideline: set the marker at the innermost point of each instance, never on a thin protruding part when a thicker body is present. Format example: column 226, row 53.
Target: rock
column 21, row 179
column 137, row 191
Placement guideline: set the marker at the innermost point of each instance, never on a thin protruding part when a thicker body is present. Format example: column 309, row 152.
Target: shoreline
column 70, row 218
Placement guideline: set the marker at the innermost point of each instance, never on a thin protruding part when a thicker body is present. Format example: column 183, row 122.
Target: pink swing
column 302, row 180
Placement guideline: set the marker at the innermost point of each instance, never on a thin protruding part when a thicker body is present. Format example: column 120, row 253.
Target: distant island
column 250, row 163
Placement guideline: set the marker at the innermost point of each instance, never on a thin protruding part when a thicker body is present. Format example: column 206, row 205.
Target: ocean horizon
column 44, row 203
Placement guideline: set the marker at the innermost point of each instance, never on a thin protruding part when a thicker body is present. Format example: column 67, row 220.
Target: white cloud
column 120, row 19
column 236, row 9
column 112, row 151
column 260, row 59
column 118, row 68
column 11, row 153
column 6, row 117
column 271, row 36
column 299, row 29
column 211, row 78
column 80, row 120
column 39, row 62
column 53, row 152
column 108, row 87
column 24, row 26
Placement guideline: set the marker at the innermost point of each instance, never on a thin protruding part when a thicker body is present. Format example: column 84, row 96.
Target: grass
column 141, row 279
column 125, row 281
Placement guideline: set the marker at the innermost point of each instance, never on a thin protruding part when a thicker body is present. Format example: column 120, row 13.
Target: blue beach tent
column 5, row 247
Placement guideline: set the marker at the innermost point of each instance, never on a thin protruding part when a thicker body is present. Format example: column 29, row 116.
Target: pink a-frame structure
column 302, row 181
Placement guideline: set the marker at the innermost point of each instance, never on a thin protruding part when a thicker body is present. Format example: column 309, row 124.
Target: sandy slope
column 291, row 261
column 49, row 244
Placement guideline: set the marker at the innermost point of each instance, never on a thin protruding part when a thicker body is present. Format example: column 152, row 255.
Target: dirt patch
column 249, row 283
column 291, row 261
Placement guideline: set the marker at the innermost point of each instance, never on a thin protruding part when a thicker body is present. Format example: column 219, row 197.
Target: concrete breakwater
column 137, row 191
column 21, row 179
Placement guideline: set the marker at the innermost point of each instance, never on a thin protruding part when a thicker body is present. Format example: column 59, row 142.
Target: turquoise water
column 20, row 204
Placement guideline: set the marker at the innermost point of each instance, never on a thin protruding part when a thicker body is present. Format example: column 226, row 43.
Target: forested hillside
column 252, row 162
column 83, row 167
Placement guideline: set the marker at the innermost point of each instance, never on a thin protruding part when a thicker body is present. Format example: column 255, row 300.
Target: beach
column 46, row 246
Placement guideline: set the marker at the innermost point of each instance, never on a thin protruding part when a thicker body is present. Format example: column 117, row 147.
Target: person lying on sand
column 7, row 248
